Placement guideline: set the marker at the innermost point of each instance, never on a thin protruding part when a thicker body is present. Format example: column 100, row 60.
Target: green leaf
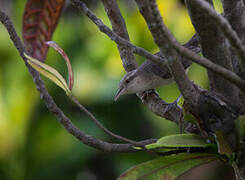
column 223, row 145
column 49, row 73
column 168, row 167
column 155, row 148
column 179, row 140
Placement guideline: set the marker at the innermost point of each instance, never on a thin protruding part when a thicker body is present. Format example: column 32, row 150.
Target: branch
column 234, row 12
column 227, row 74
column 230, row 6
column 53, row 108
column 225, row 27
column 163, row 109
column 119, row 28
column 214, row 47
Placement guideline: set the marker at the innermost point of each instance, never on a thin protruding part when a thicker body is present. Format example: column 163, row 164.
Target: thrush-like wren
column 150, row 76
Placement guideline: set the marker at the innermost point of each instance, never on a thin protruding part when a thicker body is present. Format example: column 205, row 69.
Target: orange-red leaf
column 39, row 22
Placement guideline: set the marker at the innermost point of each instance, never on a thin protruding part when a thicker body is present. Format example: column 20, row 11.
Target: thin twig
column 82, row 108
column 227, row 74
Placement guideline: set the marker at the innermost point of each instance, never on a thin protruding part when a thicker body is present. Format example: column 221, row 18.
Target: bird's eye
column 127, row 81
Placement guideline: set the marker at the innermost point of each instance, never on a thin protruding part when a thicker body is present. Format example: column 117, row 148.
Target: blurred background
column 33, row 145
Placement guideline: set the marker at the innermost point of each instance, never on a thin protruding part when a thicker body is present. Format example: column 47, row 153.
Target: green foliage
column 163, row 169
column 169, row 167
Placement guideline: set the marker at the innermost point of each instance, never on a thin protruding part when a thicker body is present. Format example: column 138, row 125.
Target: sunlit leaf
column 168, row 167
column 49, row 72
column 179, row 140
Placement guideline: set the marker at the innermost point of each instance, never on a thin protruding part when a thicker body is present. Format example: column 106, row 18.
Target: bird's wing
column 150, row 67
column 163, row 72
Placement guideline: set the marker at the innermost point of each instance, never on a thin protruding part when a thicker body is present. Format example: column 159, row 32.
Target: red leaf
column 39, row 22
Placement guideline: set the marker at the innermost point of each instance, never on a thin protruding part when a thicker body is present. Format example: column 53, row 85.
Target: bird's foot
column 147, row 93
column 174, row 105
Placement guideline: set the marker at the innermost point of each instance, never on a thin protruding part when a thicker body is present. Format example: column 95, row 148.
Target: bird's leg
column 147, row 93
column 173, row 104
column 177, row 100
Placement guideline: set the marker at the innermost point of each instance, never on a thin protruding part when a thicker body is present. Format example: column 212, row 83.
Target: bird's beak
column 119, row 92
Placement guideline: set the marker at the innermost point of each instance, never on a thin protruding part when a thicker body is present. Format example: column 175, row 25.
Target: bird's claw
column 147, row 93
column 172, row 105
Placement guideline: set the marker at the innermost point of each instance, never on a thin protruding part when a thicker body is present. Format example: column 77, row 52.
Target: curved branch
column 82, row 108
column 53, row 108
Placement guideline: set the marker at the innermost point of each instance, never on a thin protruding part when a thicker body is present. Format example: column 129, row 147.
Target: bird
column 149, row 75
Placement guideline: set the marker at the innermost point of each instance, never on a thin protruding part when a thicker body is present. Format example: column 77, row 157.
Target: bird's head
column 140, row 80
column 129, row 84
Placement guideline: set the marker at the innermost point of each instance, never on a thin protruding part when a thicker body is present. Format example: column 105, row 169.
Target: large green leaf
column 168, row 167
column 179, row 140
